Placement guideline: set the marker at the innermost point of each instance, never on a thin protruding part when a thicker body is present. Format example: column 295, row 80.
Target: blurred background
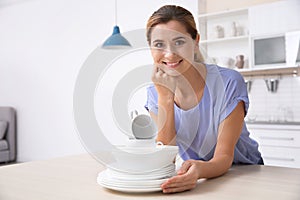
column 44, row 43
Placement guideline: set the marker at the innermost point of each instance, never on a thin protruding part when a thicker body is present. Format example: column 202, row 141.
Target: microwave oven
column 276, row 50
column 268, row 51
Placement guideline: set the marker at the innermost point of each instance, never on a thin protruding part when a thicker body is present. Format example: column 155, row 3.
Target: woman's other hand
column 186, row 178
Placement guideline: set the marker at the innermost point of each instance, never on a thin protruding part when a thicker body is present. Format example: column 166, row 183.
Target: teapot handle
column 133, row 114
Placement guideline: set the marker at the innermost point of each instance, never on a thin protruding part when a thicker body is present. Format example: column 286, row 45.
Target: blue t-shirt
column 197, row 128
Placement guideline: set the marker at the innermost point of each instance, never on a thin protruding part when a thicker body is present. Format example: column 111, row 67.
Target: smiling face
column 172, row 47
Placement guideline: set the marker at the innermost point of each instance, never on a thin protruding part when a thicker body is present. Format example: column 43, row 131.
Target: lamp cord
column 116, row 10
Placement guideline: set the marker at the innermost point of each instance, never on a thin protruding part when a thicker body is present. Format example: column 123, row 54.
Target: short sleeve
column 235, row 91
column 152, row 99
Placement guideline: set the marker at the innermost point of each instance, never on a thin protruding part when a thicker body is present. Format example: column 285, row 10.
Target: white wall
column 284, row 105
column 43, row 44
column 216, row 5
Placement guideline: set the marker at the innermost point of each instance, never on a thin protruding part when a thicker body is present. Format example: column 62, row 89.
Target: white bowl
column 142, row 159
column 141, row 143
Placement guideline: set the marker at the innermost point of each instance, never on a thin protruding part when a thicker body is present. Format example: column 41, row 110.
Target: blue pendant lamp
column 116, row 40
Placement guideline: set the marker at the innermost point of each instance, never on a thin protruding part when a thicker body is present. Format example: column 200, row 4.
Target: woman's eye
column 179, row 42
column 158, row 45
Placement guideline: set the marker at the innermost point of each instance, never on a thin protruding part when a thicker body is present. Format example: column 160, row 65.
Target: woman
column 197, row 106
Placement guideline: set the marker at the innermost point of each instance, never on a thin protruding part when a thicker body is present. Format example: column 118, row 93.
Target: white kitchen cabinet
column 263, row 21
column 224, row 35
column 281, row 156
column 279, row 144
column 274, row 18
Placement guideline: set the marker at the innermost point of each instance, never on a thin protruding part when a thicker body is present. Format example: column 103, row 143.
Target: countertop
column 274, row 122
column 74, row 177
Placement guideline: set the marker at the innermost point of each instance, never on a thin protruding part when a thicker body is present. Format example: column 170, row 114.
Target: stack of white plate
column 147, row 181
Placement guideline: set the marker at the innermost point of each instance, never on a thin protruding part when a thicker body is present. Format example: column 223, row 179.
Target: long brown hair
column 172, row 12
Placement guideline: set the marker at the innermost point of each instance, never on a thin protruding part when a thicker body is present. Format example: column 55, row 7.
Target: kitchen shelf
column 225, row 39
column 233, row 24
column 278, row 71
column 209, row 16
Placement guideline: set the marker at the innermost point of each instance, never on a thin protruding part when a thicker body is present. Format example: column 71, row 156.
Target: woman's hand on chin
column 164, row 83
column 186, row 178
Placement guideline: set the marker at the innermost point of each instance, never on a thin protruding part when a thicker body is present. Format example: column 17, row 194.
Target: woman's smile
column 172, row 64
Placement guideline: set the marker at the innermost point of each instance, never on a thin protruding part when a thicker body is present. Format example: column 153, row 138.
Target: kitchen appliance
column 282, row 49
column 268, row 51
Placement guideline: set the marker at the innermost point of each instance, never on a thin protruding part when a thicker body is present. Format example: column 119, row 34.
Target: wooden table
column 74, row 177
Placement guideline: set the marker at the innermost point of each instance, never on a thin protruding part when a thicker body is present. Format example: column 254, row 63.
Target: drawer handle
column 276, row 138
column 280, row 159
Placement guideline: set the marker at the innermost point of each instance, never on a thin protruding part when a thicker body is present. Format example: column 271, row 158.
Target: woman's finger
column 184, row 167
column 160, row 67
column 179, row 189
column 178, row 181
column 155, row 69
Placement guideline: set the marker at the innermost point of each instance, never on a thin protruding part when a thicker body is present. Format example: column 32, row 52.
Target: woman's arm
column 229, row 132
column 165, row 119
column 191, row 170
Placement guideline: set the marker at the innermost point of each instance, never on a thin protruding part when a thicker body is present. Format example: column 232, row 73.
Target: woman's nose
column 169, row 52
